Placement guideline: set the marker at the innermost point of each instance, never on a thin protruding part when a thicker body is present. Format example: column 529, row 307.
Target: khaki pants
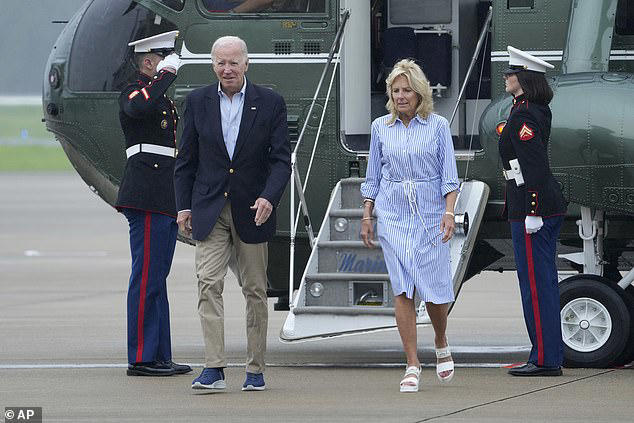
column 212, row 258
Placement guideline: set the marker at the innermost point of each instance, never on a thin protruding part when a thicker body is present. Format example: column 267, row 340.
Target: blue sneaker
column 254, row 382
column 210, row 378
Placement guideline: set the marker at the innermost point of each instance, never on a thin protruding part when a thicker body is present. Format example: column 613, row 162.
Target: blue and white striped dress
column 410, row 170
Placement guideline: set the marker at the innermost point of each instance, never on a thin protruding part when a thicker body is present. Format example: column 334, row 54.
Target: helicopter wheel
column 628, row 353
column 595, row 321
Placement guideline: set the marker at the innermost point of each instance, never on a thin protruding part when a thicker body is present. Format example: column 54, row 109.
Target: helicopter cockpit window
column 174, row 4
column 100, row 58
column 264, row 6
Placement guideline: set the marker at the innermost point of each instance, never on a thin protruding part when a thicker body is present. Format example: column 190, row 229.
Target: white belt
column 150, row 148
column 514, row 173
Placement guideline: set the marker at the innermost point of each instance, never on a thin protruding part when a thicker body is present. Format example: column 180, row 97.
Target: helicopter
column 329, row 59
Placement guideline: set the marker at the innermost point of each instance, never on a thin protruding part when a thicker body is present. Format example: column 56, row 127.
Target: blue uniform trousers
column 152, row 244
column 537, row 274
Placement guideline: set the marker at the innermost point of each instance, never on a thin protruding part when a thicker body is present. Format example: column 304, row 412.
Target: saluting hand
column 263, row 209
column 447, row 227
column 184, row 220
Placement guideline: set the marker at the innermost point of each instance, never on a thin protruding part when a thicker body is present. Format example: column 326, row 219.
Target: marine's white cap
column 159, row 42
column 520, row 60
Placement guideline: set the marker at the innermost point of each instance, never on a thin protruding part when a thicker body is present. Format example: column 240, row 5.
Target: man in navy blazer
column 231, row 171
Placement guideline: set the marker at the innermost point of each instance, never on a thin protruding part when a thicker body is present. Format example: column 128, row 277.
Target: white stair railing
column 296, row 182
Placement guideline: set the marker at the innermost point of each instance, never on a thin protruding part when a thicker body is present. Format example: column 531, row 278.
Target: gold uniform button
column 532, row 211
column 533, row 203
column 534, row 195
column 230, row 170
column 226, row 194
column 155, row 165
column 164, row 112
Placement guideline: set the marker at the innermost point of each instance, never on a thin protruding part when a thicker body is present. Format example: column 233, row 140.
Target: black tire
column 628, row 354
column 601, row 291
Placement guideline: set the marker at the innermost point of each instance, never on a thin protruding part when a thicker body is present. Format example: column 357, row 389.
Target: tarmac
column 64, row 268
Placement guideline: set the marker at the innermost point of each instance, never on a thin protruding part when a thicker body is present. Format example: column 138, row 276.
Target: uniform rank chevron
column 526, row 133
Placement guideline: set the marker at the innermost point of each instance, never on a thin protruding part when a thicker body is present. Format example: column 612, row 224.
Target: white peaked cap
column 520, row 60
column 156, row 42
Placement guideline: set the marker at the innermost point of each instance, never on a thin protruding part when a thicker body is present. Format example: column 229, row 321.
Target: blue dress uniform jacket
column 525, row 137
column 148, row 116
column 205, row 177
column 146, row 198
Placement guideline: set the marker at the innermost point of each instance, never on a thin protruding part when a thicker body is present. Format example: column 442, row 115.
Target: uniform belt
column 514, row 173
column 150, row 148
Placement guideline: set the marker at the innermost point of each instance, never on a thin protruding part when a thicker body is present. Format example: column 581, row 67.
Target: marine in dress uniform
column 146, row 197
column 535, row 208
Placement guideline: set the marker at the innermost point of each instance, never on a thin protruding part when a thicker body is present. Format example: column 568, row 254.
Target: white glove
column 533, row 224
column 171, row 62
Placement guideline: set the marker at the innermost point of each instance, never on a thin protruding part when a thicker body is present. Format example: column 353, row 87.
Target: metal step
column 351, row 193
column 350, row 257
column 348, row 290
column 345, row 224
column 326, row 324
column 347, row 276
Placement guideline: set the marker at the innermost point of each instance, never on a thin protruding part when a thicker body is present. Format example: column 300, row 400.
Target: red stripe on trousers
column 144, row 277
column 534, row 299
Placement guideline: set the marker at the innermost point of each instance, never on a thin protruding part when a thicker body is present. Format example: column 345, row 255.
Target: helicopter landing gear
column 597, row 312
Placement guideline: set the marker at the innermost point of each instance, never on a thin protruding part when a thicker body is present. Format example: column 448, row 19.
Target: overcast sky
column 26, row 39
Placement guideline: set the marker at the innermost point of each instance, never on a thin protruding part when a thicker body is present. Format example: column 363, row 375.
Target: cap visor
column 511, row 71
column 163, row 51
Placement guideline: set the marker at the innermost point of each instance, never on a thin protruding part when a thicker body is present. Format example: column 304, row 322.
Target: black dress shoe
column 150, row 369
column 529, row 369
column 179, row 369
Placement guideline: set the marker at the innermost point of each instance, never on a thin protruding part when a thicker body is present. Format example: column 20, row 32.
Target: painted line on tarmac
column 37, row 253
column 556, row 385
column 467, row 349
column 41, row 366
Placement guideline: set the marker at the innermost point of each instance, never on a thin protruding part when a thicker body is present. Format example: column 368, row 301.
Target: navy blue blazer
column 204, row 176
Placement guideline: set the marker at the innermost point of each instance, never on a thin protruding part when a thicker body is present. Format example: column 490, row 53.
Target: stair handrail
column 485, row 30
column 295, row 177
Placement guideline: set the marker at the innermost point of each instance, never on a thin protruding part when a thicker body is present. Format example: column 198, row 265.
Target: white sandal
column 445, row 366
column 409, row 383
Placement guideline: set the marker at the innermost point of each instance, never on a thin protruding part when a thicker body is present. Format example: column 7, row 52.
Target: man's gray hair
column 226, row 41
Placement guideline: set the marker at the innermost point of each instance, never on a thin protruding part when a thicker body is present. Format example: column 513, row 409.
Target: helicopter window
column 264, row 6
column 174, row 4
column 100, row 58
column 624, row 24
column 406, row 12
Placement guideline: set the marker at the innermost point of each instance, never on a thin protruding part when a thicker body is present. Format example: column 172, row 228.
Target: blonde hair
column 419, row 83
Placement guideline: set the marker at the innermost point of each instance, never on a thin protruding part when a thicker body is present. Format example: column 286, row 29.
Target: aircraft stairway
column 345, row 286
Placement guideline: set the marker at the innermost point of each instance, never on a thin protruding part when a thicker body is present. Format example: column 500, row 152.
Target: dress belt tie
column 410, row 192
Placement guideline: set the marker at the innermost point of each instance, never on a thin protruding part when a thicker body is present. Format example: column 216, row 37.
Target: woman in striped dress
column 411, row 183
